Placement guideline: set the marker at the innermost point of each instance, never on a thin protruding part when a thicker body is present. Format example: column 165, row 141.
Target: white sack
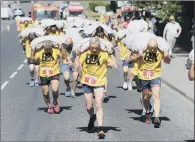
column 22, row 19
column 104, row 44
column 137, row 25
column 38, row 43
column 138, row 41
column 25, row 33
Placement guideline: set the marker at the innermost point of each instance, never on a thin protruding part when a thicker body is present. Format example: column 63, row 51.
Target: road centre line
column 4, row 84
column 13, row 74
column 20, row 67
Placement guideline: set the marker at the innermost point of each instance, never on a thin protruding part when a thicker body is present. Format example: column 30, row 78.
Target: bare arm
column 167, row 58
column 191, row 73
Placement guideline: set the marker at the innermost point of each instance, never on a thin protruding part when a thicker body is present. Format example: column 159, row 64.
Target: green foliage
column 164, row 9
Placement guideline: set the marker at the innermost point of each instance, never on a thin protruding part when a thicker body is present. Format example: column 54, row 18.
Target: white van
column 5, row 13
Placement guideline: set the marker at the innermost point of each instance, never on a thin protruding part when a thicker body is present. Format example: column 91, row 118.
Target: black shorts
column 32, row 62
column 47, row 80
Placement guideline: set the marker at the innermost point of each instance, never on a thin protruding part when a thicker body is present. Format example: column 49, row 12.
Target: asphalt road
column 24, row 117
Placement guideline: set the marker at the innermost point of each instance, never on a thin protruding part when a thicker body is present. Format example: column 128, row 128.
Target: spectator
column 172, row 31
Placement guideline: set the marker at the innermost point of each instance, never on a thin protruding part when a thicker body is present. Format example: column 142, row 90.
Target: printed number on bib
column 90, row 80
column 148, row 73
column 47, row 71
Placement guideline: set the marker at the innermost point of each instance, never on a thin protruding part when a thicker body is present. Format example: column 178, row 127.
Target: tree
column 162, row 9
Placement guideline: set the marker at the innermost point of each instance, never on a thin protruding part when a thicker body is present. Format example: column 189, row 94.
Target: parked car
column 18, row 12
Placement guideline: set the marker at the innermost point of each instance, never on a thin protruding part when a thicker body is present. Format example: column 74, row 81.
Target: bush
column 92, row 5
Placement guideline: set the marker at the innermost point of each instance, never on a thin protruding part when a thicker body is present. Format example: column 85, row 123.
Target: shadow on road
column 61, row 108
column 189, row 140
column 136, row 111
column 77, row 94
column 105, row 128
column 141, row 119
column 121, row 87
column 112, row 96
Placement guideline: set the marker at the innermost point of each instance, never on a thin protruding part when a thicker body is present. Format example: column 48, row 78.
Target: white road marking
column 25, row 61
column 20, row 67
column 13, row 74
column 4, row 84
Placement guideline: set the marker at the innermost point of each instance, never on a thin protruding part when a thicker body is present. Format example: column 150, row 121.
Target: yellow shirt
column 57, row 33
column 94, row 68
column 123, row 51
column 102, row 20
column 49, row 65
column 28, row 49
column 36, row 22
column 149, row 67
column 24, row 27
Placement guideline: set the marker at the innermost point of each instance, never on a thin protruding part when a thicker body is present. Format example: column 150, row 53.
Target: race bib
column 47, row 71
column 148, row 74
column 92, row 80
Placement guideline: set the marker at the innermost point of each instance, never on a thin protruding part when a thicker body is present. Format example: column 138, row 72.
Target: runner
column 172, row 31
column 67, row 66
column 23, row 26
column 49, row 57
column 52, row 30
column 101, row 34
column 127, row 67
column 149, row 72
column 93, row 64
column 33, row 65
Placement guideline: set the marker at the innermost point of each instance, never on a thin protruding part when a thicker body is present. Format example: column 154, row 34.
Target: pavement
column 175, row 75
column 24, row 117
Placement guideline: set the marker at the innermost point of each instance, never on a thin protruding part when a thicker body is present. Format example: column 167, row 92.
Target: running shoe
column 125, row 87
column 36, row 83
column 56, row 108
column 50, row 109
column 32, row 82
column 156, row 122
column 148, row 118
column 130, row 87
column 101, row 133
column 67, row 93
column 106, row 98
column 73, row 94
column 91, row 123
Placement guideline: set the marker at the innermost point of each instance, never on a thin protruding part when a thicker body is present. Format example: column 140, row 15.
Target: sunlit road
column 24, row 117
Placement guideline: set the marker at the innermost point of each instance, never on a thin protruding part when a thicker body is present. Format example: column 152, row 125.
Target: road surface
column 24, row 117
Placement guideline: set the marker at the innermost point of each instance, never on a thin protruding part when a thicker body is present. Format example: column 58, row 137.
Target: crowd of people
column 52, row 50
